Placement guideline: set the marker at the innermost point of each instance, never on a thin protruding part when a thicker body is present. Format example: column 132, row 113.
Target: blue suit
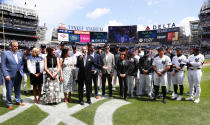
column 97, row 60
column 15, row 72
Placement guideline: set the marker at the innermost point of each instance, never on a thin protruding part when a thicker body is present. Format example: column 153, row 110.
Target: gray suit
column 107, row 60
column 110, row 62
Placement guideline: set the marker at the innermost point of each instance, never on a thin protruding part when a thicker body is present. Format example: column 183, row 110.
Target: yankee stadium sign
column 82, row 28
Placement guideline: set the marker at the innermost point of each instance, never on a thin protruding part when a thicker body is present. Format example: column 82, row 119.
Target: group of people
column 53, row 72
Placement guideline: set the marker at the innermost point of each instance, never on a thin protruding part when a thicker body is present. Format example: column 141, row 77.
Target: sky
column 103, row 13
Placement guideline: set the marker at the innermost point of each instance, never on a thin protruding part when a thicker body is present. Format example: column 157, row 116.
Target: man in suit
column 116, row 58
column 108, row 61
column 26, row 55
column 12, row 69
column 96, row 59
column 85, row 63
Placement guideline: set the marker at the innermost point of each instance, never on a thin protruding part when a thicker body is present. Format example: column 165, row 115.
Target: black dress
column 36, row 80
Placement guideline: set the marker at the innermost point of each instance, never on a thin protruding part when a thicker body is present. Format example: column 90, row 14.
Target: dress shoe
column 89, row 102
column 20, row 104
column 25, row 93
column 81, row 103
column 10, row 107
column 97, row 97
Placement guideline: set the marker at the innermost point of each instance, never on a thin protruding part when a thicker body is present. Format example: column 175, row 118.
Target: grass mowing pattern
column 61, row 123
column 87, row 114
column 146, row 112
column 31, row 116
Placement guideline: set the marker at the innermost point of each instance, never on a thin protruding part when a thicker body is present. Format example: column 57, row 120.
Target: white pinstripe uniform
column 194, row 75
column 161, row 64
column 179, row 77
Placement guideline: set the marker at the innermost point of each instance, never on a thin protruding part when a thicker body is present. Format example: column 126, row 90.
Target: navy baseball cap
column 160, row 49
column 43, row 46
column 178, row 48
column 62, row 44
column 74, row 46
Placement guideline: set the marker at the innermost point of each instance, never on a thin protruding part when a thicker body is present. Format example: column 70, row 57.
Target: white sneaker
column 197, row 100
column 114, row 88
column 189, row 99
column 174, row 97
column 179, row 98
column 4, row 98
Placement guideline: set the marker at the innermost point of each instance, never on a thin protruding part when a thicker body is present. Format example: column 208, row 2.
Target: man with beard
column 195, row 63
column 161, row 65
column 146, row 69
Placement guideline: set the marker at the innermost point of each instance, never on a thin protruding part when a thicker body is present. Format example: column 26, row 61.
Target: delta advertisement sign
column 164, row 36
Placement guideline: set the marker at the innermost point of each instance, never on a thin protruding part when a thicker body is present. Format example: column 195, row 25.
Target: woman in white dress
column 67, row 74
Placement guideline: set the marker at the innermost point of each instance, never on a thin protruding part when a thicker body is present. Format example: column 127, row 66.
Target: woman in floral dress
column 67, row 74
column 52, row 68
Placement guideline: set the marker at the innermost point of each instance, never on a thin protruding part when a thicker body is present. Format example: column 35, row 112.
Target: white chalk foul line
column 104, row 113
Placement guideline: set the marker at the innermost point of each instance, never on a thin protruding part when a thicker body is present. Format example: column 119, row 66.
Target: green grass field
column 141, row 111
column 207, row 60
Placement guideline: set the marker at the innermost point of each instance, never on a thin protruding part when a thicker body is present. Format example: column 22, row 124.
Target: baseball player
column 178, row 64
column 146, row 68
column 194, row 63
column 169, row 73
column 161, row 65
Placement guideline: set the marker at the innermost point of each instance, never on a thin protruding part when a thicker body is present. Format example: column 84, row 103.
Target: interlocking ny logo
column 197, row 59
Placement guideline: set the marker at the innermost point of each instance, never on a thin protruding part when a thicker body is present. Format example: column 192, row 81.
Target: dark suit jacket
column 97, row 60
column 123, row 68
column 145, row 63
column 85, row 71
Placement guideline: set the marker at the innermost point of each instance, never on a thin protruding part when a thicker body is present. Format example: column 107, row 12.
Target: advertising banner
column 74, row 38
column 147, row 36
column 98, row 37
column 82, row 32
column 175, row 29
column 173, row 36
column 63, row 37
column 85, row 38
column 65, row 31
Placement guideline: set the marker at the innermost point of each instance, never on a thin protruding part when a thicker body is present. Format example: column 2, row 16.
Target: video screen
column 98, row 37
column 122, row 34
